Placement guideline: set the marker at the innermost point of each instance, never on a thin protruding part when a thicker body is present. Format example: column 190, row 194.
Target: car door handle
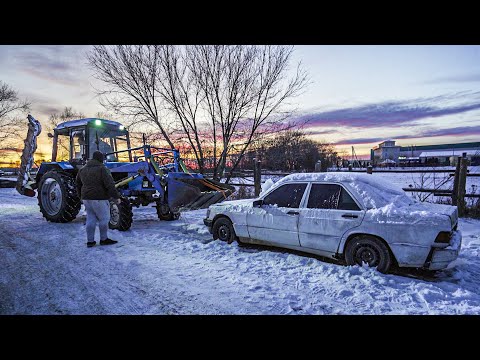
column 291, row 212
column 351, row 216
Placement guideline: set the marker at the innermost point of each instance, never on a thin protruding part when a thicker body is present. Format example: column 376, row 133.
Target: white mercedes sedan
column 357, row 218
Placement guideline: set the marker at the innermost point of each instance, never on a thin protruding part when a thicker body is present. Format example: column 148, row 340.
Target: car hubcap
column 367, row 254
column 223, row 232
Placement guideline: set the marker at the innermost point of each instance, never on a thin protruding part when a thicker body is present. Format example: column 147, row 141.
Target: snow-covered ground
column 177, row 268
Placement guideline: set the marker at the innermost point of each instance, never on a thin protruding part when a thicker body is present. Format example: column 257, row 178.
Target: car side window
column 346, row 202
column 330, row 196
column 324, row 196
column 289, row 196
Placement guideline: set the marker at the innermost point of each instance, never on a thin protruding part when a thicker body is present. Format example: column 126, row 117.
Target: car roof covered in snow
column 373, row 191
column 82, row 122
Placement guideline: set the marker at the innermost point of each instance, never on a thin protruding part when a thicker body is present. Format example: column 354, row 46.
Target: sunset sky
column 359, row 95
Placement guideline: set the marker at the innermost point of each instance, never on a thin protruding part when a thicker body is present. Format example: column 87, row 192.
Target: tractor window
column 63, row 148
column 120, row 143
column 109, row 141
column 78, row 144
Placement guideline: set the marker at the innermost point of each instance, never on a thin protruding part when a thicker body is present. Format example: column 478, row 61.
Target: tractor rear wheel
column 57, row 197
column 121, row 215
column 164, row 212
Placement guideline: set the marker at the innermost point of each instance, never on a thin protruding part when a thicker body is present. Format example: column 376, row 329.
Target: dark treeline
column 291, row 151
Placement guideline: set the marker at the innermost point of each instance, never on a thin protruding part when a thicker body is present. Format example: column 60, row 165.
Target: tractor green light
column 98, row 122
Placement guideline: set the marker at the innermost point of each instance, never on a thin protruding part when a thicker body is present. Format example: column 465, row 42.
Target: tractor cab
column 75, row 141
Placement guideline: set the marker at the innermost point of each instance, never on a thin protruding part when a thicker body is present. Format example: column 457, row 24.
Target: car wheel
column 223, row 230
column 369, row 250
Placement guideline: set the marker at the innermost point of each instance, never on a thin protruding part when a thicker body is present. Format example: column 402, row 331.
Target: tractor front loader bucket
column 193, row 191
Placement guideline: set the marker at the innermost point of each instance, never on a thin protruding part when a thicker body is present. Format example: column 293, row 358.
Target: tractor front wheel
column 164, row 212
column 121, row 215
column 57, row 197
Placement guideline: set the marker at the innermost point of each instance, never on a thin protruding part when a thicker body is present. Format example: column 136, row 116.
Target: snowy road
column 176, row 268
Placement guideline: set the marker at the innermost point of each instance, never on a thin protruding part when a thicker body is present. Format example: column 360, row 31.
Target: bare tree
column 55, row 119
column 235, row 92
column 223, row 98
column 130, row 74
column 10, row 107
column 67, row 114
column 291, row 150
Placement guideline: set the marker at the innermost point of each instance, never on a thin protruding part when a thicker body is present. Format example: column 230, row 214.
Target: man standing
column 95, row 186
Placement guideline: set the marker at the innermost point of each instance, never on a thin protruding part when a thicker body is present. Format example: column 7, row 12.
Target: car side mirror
column 258, row 203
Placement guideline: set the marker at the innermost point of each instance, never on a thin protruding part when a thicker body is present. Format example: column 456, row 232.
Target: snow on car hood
column 234, row 205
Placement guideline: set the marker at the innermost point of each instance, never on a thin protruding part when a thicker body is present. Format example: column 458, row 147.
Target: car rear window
column 324, row 196
column 289, row 195
column 330, row 196
column 346, row 202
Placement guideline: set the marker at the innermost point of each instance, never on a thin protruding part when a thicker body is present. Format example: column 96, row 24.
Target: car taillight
column 443, row 237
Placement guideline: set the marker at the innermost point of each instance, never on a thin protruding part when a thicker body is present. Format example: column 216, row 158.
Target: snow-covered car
column 357, row 218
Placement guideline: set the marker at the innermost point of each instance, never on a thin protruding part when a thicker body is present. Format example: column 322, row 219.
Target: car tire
column 370, row 250
column 223, row 230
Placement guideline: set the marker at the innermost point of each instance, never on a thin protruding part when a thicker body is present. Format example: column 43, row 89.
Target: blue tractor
column 143, row 175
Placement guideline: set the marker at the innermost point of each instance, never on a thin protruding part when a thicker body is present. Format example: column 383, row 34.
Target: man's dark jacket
column 94, row 182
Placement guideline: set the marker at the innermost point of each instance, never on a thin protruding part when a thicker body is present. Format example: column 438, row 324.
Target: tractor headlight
column 208, row 213
column 98, row 122
column 121, row 127
column 145, row 184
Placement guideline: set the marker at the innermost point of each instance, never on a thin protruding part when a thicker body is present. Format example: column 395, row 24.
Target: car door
column 277, row 219
column 329, row 212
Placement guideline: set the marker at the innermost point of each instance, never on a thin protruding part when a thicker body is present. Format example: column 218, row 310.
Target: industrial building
column 387, row 153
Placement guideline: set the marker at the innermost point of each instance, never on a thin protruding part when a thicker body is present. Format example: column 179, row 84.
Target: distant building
column 442, row 154
column 385, row 152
